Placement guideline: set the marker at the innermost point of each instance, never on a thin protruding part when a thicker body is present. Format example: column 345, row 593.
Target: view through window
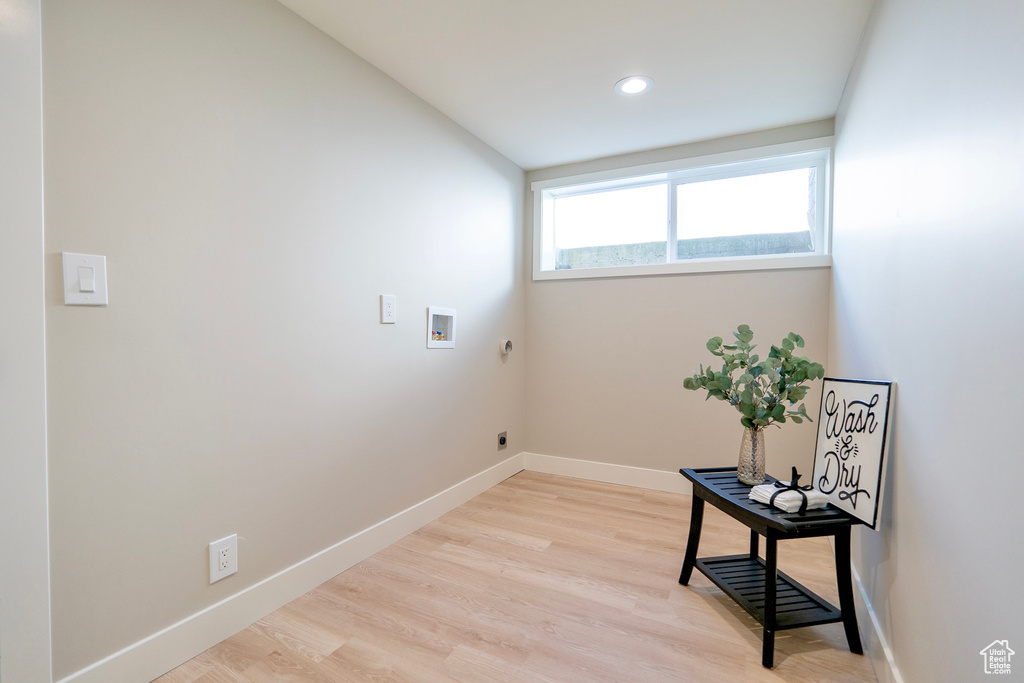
column 768, row 207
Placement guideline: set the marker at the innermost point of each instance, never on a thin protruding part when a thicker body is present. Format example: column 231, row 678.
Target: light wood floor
column 539, row 579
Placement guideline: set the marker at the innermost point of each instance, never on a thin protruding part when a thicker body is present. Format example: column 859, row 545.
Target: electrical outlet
column 223, row 558
column 388, row 308
column 502, row 440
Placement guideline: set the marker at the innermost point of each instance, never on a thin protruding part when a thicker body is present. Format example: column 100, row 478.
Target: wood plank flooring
column 540, row 579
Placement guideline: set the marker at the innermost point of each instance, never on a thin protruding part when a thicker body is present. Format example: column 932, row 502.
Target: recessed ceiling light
column 633, row 85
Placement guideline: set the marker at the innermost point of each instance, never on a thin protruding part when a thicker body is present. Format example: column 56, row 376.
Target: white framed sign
column 853, row 437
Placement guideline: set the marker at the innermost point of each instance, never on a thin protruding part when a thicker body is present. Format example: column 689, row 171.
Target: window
column 765, row 208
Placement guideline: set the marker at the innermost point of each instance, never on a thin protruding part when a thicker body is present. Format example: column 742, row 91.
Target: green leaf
column 762, row 387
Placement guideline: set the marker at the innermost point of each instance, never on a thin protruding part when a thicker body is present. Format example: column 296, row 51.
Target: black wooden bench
column 780, row 602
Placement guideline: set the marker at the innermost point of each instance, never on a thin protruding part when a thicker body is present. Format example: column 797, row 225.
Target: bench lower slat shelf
column 741, row 577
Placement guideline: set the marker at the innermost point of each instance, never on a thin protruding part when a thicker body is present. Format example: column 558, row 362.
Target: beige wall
column 24, row 589
column 928, row 292
column 608, row 356
column 254, row 187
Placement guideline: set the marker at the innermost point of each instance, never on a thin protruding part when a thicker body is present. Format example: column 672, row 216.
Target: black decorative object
column 794, row 485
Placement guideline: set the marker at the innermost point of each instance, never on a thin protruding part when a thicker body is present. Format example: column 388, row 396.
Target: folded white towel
column 788, row 501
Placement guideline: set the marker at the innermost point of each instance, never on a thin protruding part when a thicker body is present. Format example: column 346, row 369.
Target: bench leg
column 770, row 587
column 845, row 586
column 696, row 521
column 753, row 544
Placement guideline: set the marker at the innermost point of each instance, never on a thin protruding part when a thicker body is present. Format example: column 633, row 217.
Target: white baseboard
column 876, row 647
column 176, row 644
column 659, row 480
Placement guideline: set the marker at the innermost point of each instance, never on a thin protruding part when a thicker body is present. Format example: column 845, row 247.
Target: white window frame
column 817, row 151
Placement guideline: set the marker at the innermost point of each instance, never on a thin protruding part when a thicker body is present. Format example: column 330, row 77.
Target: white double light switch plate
column 85, row 279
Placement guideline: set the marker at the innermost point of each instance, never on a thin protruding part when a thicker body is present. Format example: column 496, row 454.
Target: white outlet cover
column 388, row 308
column 229, row 544
column 85, row 279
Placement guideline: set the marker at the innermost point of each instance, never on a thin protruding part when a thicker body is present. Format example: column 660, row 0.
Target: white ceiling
column 533, row 78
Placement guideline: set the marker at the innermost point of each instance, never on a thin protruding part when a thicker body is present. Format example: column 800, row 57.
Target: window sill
column 714, row 265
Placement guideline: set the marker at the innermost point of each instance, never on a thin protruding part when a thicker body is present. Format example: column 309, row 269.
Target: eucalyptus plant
column 759, row 389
